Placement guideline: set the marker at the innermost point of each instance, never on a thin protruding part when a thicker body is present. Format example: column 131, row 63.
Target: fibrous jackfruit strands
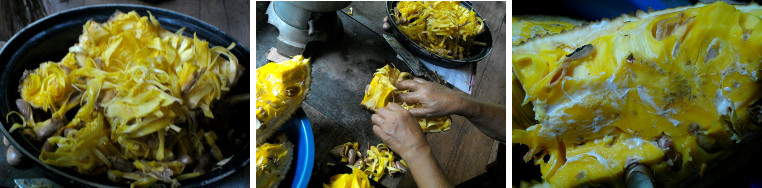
column 686, row 74
column 382, row 90
column 273, row 161
column 281, row 88
column 442, row 27
column 133, row 81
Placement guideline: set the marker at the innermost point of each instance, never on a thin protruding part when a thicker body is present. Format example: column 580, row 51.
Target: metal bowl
column 49, row 38
column 480, row 51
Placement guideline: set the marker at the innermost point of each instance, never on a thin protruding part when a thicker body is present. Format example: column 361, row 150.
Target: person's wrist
column 466, row 107
column 416, row 152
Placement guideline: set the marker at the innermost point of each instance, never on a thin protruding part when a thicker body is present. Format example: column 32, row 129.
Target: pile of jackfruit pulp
column 672, row 90
column 281, row 89
column 442, row 27
column 382, row 91
column 377, row 161
column 136, row 89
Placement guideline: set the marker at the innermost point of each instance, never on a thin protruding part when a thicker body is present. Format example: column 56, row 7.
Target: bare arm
column 488, row 117
column 400, row 131
column 440, row 101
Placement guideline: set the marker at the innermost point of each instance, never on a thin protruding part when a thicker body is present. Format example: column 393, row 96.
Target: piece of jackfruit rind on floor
column 293, row 74
column 271, row 173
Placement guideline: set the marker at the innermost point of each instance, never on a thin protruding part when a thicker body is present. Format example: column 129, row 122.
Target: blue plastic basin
column 299, row 133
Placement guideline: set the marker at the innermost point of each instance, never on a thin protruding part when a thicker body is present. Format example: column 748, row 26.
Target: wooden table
column 463, row 152
column 230, row 16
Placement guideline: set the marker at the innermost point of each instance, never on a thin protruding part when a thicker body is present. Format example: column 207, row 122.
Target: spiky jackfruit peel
column 281, row 88
column 273, row 161
column 669, row 89
column 382, row 90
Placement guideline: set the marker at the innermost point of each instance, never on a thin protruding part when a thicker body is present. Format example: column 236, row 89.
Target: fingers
column 419, row 112
column 411, row 85
column 377, row 130
column 419, row 80
column 376, row 119
column 393, row 106
column 409, row 97
column 386, row 25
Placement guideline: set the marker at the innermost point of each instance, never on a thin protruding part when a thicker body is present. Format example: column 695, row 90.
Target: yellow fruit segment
column 273, row 161
column 686, row 74
column 357, row 179
column 382, row 91
column 281, row 88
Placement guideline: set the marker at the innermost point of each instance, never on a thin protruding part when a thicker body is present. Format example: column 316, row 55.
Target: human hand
column 436, row 99
column 399, row 130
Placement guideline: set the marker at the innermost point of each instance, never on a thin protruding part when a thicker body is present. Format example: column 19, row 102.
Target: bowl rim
column 74, row 179
column 305, row 152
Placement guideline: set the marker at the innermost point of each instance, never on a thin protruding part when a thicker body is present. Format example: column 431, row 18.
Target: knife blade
column 415, row 65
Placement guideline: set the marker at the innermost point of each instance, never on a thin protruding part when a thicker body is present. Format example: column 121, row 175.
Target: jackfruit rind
column 684, row 76
column 281, row 89
column 273, row 161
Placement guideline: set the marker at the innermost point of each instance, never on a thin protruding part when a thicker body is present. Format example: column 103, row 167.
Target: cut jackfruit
column 136, row 88
column 273, row 161
column 382, row 90
column 281, row 88
column 669, row 89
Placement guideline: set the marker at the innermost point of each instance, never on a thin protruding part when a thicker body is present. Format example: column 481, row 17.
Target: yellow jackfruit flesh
column 443, row 27
column 273, row 161
column 137, row 87
column 377, row 160
column 670, row 89
column 357, row 179
column 382, row 91
column 281, row 89
column 527, row 28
